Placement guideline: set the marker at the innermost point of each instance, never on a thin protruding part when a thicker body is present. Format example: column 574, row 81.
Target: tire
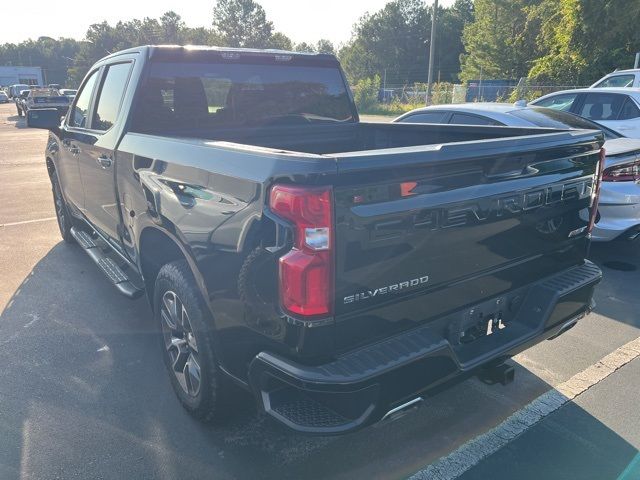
column 187, row 346
column 62, row 211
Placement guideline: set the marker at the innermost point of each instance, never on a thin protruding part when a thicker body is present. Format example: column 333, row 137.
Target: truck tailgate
column 425, row 231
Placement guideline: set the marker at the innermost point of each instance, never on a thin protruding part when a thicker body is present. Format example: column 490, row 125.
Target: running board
column 106, row 264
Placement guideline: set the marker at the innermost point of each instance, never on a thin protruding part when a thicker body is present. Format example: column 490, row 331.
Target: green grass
column 391, row 109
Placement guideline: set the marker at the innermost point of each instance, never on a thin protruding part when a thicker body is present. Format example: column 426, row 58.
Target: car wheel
column 62, row 211
column 187, row 346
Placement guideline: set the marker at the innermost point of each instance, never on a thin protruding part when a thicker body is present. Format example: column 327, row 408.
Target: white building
column 27, row 75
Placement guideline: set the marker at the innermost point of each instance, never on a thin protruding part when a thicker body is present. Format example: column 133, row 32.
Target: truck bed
column 330, row 139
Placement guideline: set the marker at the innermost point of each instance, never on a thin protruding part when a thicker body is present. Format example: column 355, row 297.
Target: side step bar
column 108, row 266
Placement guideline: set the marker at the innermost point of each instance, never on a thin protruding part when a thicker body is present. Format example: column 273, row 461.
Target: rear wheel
column 187, row 346
column 62, row 212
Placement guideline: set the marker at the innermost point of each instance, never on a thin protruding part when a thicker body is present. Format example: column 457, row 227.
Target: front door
column 71, row 135
column 97, row 156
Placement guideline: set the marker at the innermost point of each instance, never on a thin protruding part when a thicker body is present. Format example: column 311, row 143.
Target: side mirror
column 47, row 118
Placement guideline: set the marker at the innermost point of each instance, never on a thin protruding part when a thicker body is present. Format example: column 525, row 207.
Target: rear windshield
column 189, row 98
column 550, row 118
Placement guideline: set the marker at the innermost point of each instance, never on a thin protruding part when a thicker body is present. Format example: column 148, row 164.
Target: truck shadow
column 20, row 122
column 617, row 295
column 84, row 392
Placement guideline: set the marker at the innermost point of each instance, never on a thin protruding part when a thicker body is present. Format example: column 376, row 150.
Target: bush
column 365, row 93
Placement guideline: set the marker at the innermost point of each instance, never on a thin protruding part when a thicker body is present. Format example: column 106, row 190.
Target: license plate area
column 487, row 319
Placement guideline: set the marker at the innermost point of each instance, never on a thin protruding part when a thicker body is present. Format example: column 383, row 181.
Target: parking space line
column 475, row 450
column 24, row 222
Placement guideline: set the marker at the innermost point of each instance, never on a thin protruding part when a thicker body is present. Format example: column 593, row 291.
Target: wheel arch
column 157, row 247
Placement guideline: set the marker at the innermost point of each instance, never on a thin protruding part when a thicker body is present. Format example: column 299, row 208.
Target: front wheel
column 187, row 346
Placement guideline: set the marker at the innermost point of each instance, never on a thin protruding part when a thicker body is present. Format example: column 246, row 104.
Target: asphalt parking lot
column 84, row 394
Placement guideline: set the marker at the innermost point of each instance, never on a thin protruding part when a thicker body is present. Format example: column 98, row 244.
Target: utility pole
column 636, row 64
column 432, row 50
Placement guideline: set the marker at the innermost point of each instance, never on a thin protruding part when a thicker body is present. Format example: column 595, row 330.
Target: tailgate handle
column 528, row 170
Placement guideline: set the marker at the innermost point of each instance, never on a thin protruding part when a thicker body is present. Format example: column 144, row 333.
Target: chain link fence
column 474, row 92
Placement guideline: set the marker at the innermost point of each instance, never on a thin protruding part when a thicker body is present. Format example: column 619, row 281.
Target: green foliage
column 325, row 46
column 396, row 39
column 501, row 41
column 583, row 40
column 304, row 47
column 281, row 41
column 567, row 42
column 53, row 56
column 365, row 93
column 242, row 23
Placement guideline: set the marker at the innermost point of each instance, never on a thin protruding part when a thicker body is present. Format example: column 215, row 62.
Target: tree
column 325, row 46
column 280, row 41
column 172, row 25
column 242, row 23
column 304, row 47
column 396, row 39
column 583, row 40
column 501, row 42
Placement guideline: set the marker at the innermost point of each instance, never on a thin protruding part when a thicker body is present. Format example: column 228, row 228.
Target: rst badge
column 386, row 290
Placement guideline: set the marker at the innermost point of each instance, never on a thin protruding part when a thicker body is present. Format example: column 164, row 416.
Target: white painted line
column 475, row 450
column 24, row 222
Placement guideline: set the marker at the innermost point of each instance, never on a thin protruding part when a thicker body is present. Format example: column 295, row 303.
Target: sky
column 301, row 20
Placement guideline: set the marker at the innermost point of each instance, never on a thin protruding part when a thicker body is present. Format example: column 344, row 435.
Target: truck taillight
column 596, row 190
column 306, row 271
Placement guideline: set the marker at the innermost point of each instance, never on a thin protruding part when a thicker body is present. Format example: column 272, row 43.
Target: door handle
column 104, row 161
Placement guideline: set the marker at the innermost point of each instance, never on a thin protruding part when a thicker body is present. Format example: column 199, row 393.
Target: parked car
column 616, row 108
column 333, row 268
column 14, row 90
column 20, row 100
column 4, row 98
column 620, row 79
column 45, row 98
column 68, row 92
column 619, row 206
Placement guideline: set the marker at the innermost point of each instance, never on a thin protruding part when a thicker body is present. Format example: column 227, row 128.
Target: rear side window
column 602, row 106
column 110, row 96
column 558, row 102
column 194, row 99
column 464, row 119
column 617, row 81
column 629, row 110
column 80, row 111
column 425, row 117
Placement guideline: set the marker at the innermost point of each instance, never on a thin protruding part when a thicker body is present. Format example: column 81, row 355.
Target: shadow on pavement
column 20, row 122
column 84, row 394
column 618, row 297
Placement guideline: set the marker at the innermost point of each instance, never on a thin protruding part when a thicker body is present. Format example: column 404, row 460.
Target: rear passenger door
column 97, row 159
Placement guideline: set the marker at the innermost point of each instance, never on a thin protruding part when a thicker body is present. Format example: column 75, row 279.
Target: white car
column 616, row 108
column 619, row 207
column 620, row 79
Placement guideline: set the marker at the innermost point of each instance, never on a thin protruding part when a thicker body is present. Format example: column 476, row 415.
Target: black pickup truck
column 340, row 271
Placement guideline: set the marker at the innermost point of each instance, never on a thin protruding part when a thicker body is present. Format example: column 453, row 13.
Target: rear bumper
column 361, row 387
column 619, row 210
